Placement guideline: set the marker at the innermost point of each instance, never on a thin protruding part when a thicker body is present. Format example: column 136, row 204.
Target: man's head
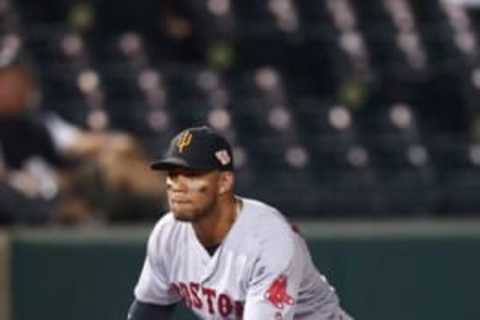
column 17, row 90
column 199, row 165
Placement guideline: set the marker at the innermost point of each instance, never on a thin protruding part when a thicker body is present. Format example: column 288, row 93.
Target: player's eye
column 194, row 173
column 186, row 173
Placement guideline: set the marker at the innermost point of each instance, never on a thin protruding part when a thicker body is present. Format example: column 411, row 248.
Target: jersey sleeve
column 153, row 285
column 275, row 279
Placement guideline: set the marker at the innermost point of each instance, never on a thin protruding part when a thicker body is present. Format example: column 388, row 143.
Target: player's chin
column 183, row 217
column 181, row 214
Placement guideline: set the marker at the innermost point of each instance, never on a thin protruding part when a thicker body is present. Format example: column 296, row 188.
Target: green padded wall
column 394, row 271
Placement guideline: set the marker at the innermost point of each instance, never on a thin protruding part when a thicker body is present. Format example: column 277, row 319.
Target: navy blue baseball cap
column 197, row 148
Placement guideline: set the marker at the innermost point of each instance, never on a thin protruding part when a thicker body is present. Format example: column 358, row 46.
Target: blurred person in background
column 111, row 182
column 54, row 172
column 29, row 181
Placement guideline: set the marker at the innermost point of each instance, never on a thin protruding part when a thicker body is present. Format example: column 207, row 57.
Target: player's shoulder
column 164, row 230
column 266, row 221
column 265, row 212
column 164, row 224
column 267, row 233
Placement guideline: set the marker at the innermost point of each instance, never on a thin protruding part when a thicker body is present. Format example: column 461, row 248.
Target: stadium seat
column 458, row 168
column 335, row 108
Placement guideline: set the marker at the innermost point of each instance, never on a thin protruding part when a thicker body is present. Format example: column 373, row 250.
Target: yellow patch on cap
column 184, row 141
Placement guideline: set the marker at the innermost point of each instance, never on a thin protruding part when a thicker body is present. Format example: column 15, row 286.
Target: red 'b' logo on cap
column 277, row 293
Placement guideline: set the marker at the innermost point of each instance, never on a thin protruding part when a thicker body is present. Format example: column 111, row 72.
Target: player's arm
column 147, row 311
column 274, row 282
column 153, row 288
column 273, row 296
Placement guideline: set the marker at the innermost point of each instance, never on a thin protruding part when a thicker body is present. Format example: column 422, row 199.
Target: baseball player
column 224, row 256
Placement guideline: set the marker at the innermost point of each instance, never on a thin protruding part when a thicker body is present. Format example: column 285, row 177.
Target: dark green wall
column 404, row 278
column 60, row 275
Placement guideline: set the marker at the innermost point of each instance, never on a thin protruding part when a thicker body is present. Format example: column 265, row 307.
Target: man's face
column 192, row 194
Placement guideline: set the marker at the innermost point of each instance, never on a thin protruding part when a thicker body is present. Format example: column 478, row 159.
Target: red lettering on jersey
column 191, row 294
column 194, row 287
column 224, row 305
column 239, row 309
column 210, row 293
column 277, row 293
column 185, row 294
column 175, row 288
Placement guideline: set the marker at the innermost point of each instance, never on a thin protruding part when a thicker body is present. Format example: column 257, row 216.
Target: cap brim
column 169, row 163
column 172, row 163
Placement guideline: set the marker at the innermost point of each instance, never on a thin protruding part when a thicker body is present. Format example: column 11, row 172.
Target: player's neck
column 214, row 227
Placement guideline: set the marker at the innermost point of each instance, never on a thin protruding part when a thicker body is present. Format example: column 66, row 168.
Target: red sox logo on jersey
column 277, row 293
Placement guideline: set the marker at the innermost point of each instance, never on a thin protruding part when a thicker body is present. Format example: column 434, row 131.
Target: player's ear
column 226, row 182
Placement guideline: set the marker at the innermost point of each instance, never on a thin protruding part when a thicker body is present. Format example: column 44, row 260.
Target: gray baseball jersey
column 262, row 270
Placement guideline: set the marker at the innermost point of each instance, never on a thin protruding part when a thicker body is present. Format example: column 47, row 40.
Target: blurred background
column 359, row 119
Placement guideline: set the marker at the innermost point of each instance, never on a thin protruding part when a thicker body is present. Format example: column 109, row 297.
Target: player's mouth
column 180, row 201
